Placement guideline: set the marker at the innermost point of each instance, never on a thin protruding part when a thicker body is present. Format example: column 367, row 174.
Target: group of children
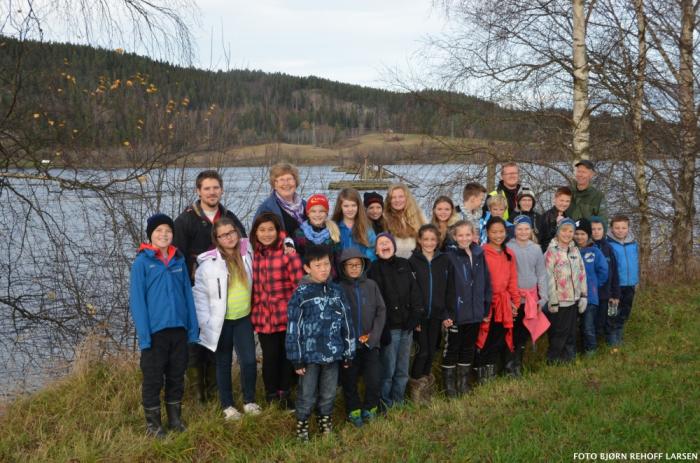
column 350, row 294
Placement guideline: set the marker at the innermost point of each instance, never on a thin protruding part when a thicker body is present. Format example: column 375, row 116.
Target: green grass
column 644, row 398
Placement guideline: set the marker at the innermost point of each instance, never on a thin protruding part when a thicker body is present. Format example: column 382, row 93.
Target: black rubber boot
column 303, row 430
column 463, row 372
column 154, row 428
column 194, row 377
column 490, row 372
column 325, row 424
column 286, row 402
column 514, row 365
column 174, row 411
column 449, row 381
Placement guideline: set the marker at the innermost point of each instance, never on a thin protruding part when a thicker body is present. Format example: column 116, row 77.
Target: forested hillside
column 98, row 98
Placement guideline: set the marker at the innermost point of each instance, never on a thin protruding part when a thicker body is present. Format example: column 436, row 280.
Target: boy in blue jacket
column 161, row 303
column 319, row 336
column 596, row 276
column 626, row 252
column 610, row 291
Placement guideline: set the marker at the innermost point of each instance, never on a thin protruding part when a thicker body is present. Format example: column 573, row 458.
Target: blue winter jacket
column 611, row 288
column 472, row 286
column 319, row 329
column 160, row 296
column 347, row 241
column 627, row 256
column 596, row 271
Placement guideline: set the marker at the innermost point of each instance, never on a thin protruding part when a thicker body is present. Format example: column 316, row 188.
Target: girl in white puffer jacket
column 222, row 296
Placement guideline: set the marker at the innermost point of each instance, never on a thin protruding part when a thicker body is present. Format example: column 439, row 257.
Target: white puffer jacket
column 209, row 291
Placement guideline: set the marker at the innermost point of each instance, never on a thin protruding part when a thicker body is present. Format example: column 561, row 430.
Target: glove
column 553, row 308
column 582, row 304
column 347, row 363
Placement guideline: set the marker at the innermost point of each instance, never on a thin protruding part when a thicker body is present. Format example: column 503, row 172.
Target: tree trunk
column 682, row 234
column 640, row 180
column 581, row 117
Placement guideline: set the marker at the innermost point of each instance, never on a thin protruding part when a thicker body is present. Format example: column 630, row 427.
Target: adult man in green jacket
column 587, row 200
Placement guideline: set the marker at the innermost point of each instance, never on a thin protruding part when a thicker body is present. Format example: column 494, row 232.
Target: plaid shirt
column 275, row 277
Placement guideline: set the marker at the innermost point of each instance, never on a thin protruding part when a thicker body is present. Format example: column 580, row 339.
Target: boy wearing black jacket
column 404, row 306
column 549, row 221
column 368, row 315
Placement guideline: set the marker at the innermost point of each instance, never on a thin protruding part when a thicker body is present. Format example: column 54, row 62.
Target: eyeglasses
column 353, row 265
column 228, row 235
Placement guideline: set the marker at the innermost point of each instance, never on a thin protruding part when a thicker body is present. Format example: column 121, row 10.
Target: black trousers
column 276, row 369
column 460, row 344
column 367, row 363
column 520, row 333
column 562, row 334
column 165, row 362
column 495, row 344
column 426, row 340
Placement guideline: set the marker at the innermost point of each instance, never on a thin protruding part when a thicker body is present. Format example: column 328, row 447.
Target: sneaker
column 369, row 415
column 231, row 414
column 355, row 417
column 251, row 409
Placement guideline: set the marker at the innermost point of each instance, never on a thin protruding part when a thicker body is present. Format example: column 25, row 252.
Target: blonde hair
column 405, row 223
column 460, row 224
column 361, row 225
column 454, row 218
column 234, row 262
column 283, row 168
column 497, row 200
column 333, row 230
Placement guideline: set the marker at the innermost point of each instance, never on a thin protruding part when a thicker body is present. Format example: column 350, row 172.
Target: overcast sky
column 349, row 41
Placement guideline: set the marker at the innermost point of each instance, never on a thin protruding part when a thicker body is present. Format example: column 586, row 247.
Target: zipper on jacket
column 430, row 288
column 571, row 274
column 359, row 313
column 627, row 261
column 218, row 286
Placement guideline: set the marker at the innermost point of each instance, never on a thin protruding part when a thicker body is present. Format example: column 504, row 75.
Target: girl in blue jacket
column 463, row 318
column 355, row 229
column 160, row 299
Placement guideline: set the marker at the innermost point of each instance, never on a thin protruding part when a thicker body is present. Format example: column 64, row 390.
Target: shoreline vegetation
column 643, row 398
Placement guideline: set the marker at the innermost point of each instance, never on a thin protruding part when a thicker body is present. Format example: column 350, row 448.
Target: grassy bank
column 644, row 398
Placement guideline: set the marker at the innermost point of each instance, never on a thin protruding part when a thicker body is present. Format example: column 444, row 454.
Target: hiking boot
column 302, row 430
column 154, row 428
column 355, row 417
column 174, row 411
column 325, row 424
column 415, row 389
column 449, row 381
column 463, row 371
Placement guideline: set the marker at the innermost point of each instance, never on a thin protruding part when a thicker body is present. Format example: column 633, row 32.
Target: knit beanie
column 386, row 235
column 585, row 225
column 155, row 221
column 566, row 221
column 316, row 200
column 373, row 197
column 522, row 219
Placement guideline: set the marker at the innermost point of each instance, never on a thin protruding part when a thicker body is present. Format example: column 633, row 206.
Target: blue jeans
column 317, row 386
column 236, row 334
column 616, row 324
column 588, row 327
column 395, row 360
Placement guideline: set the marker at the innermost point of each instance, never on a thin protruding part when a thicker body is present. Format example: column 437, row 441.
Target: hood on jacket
column 489, row 250
column 628, row 239
column 214, row 253
column 353, row 253
column 554, row 244
column 307, row 280
column 172, row 251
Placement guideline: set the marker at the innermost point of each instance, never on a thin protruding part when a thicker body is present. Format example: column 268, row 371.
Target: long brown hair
column 361, row 225
column 454, row 218
column 405, row 223
column 234, row 261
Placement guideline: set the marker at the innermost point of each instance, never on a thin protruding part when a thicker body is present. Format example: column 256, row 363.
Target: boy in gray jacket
column 368, row 314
